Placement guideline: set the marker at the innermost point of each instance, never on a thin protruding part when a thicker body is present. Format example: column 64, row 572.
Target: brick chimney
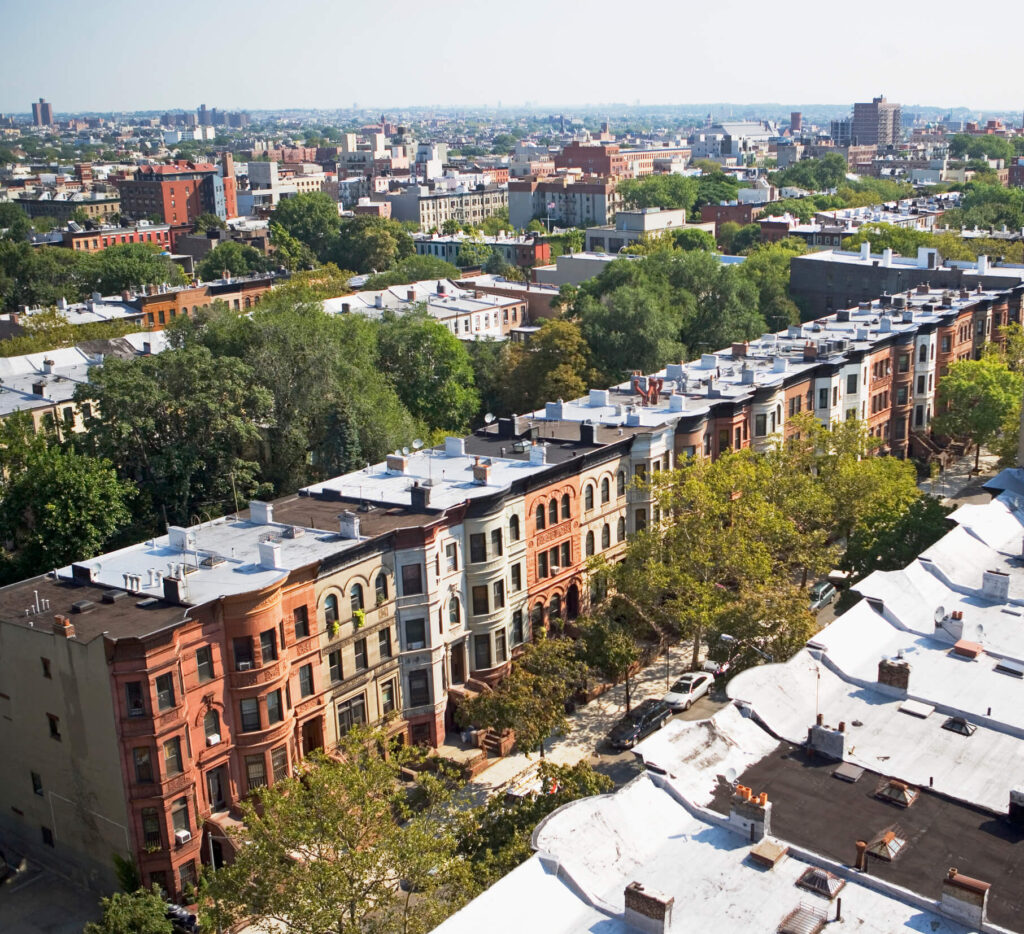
column 894, row 672
column 63, row 626
column 750, row 814
column 648, row 910
column 964, row 898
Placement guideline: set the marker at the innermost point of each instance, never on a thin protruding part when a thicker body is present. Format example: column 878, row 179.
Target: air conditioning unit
column 213, row 739
column 181, row 837
column 417, row 645
column 244, row 666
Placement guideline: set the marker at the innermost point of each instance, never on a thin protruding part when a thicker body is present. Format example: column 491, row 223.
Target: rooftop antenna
column 488, row 418
column 940, row 614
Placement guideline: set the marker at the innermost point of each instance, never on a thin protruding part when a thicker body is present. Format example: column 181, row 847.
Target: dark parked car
column 641, row 721
column 182, row 920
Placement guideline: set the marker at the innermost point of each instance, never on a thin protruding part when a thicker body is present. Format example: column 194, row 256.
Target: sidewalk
column 587, row 726
column 958, row 484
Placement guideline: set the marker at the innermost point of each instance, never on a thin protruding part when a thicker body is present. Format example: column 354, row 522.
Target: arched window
column 553, row 512
column 355, row 597
column 588, row 496
column 211, row 723
column 540, row 515
column 606, row 536
column 922, row 354
column 566, row 506
column 605, row 490
column 537, row 616
column 590, row 544
column 620, row 530
column 513, row 528
column 555, row 607
column 331, row 609
column 382, row 587
column 621, row 482
column 454, row 612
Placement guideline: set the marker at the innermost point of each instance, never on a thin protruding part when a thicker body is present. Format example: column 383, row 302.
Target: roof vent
column 648, row 910
column 82, row 606
column 821, row 882
column 805, row 919
column 888, row 844
column 897, row 792
column 995, row 585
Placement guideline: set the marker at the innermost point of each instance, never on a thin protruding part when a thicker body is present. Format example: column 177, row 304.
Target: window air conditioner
column 244, row 666
column 181, row 837
column 213, row 739
column 417, row 645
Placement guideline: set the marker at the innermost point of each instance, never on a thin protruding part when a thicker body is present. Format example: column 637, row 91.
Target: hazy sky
column 117, row 55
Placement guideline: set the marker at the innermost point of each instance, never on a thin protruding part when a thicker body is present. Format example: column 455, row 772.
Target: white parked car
column 687, row 689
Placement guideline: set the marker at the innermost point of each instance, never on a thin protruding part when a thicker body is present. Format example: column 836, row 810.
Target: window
column 500, row 647
column 387, row 697
column 274, row 712
column 415, row 633
column 477, row 548
column 172, row 757
column 555, row 607
column 37, row 783
column 331, row 609
column 412, row 579
column 760, row 425
column 640, row 520
column 517, row 627
column 165, row 691
column 553, row 512
column 566, row 559
column 540, row 516
column 517, row 577
column 133, row 699
column 920, row 385
column 496, row 544
column 355, row 597
column 334, row 665
column 179, row 815
column 47, row 835
column 480, row 602
column 454, row 612
column 513, row 528
column 947, row 344
column 498, row 588
column 922, row 353
column 606, row 536
column 151, row 835
column 419, row 688
column 211, row 723
column 823, row 398
column 620, row 529
column 451, row 556
column 243, row 653
column 566, row 507
column 268, row 646
column 621, row 483
column 350, row 713
column 589, row 544
column 306, row 679
column 542, row 564
column 204, row 663
column 359, row 647
column 482, row 652
column 255, row 772
column 250, row 711
column 279, row 763
column 300, row 617
column 384, row 643
column 381, row 587
column 54, row 726
column 46, row 667
column 588, row 497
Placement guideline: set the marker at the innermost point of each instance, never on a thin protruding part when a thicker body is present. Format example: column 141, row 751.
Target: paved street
column 34, row 900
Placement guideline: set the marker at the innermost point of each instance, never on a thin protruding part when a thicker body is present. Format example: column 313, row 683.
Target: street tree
column 131, row 266
column 473, row 252
column 313, row 220
column 414, row 268
column 889, row 542
column 235, row 258
column 554, row 365
column 367, row 244
column 140, row 912
column 974, row 399
column 610, row 650
column 344, row 848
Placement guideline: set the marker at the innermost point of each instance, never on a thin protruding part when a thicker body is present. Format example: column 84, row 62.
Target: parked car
column 822, row 594
column 182, row 920
column 641, row 721
column 687, row 689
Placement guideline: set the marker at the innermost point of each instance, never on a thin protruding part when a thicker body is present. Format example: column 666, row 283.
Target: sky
column 113, row 55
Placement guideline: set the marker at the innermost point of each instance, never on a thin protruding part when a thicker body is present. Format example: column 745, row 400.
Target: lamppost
column 732, row 640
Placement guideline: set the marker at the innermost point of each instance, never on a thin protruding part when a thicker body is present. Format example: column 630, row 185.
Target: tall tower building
column 796, row 121
column 879, row 123
column 42, row 113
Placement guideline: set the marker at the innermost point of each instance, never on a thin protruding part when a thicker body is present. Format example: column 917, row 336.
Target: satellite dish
column 940, row 614
column 488, row 418
column 405, row 451
column 417, row 444
column 730, row 776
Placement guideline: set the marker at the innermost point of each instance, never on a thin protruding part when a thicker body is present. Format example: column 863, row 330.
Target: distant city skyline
column 463, row 53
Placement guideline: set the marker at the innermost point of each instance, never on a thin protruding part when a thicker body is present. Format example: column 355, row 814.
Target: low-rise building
column 97, row 239
column 430, row 209
column 526, row 251
column 636, row 225
column 570, row 200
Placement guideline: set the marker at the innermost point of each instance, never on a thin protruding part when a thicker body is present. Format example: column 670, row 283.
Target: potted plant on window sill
column 359, row 618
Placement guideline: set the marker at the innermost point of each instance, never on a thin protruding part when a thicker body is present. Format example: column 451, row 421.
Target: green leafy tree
column 497, row 222
column 767, row 269
column 237, row 258
column 660, row 191
column 131, row 266
column 692, row 239
column 141, row 912
column 344, row 848
column 610, row 649
column 429, row 368
column 14, row 222
column 313, row 220
column 554, row 365
column 205, row 222
column 474, row 252
column 413, row 268
column 450, row 226
column 289, row 251
column 974, row 399
column 889, row 542
column 182, row 424
column 366, row 243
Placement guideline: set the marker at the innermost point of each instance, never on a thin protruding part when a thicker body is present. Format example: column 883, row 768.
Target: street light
column 732, row 640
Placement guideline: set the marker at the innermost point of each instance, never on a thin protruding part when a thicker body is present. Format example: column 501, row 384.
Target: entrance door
column 459, row 663
column 312, row 736
column 572, row 602
column 216, row 786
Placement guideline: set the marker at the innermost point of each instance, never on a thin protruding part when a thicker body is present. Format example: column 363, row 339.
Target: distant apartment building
column 42, row 113
column 609, row 159
column 633, row 226
column 179, row 192
column 731, row 142
column 731, row 211
column 271, row 182
column 430, row 209
column 99, row 238
column 95, row 205
column 197, row 245
column 878, row 123
column 516, row 251
column 570, row 200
